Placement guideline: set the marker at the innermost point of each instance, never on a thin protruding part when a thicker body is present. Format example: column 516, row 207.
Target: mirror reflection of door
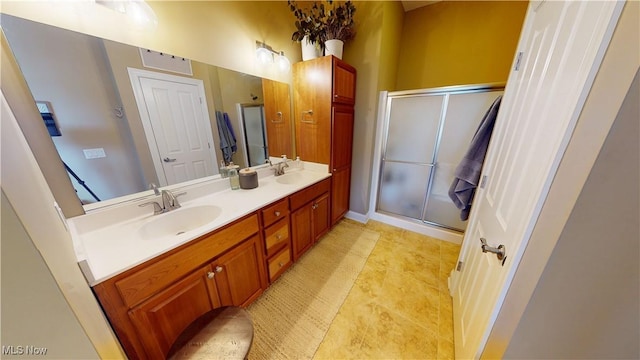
column 176, row 124
column 255, row 136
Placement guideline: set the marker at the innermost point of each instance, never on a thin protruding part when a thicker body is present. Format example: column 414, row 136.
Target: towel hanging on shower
column 467, row 173
column 227, row 136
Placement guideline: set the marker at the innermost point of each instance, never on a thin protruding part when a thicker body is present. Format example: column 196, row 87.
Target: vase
column 334, row 47
column 309, row 49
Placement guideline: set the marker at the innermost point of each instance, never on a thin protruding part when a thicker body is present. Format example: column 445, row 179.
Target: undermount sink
column 179, row 221
column 291, row 178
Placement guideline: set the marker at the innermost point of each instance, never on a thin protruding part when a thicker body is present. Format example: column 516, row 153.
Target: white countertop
column 109, row 241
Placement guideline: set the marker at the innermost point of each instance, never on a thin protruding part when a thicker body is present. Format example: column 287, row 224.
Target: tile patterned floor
column 399, row 307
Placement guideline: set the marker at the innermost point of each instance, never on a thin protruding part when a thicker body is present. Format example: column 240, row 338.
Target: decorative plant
column 339, row 24
column 310, row 22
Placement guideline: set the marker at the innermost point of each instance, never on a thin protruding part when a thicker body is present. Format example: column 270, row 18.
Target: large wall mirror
column 123, row 117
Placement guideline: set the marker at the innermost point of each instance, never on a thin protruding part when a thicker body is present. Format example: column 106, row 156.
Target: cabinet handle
column 210, row 274
column 277, row 213
column 281, row 264
column 278, row 236
column 278, row 118
column 307, row 117
column 336, row 96
column 218, row 269
column 314, row 206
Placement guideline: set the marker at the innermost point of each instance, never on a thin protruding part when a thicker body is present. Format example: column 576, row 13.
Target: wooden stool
column 224, row 333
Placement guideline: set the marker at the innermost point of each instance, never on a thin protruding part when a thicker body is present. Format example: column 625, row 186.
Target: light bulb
column 264, row 56
column 284, row 65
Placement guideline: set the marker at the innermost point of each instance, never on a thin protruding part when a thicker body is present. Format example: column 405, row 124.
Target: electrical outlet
column 94, row 153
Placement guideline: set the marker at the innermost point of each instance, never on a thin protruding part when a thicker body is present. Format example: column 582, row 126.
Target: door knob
column 168, row 160
column 500, row 251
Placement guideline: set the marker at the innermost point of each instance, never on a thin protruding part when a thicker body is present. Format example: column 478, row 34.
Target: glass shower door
column 463, row 115
column 412, row 131
column 255, row 134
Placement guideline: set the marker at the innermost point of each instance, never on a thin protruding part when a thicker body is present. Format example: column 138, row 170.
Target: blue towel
column 467, row 173
column 227, row 122
column 227, row 137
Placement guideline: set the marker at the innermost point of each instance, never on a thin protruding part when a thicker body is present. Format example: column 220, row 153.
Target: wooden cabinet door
column 312, row 82
column 342, row 137
column 277, row 111
column 342, row 131
column 301, row 230
column 160, row 319
column 344, row 82
column 320, row 216
column 340, row 192
column 239, row 274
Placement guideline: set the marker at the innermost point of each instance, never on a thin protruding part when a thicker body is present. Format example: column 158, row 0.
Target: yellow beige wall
column 459, row 42
column 221, row 33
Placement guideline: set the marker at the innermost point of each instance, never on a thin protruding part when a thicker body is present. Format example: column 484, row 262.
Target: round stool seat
column 227, row 335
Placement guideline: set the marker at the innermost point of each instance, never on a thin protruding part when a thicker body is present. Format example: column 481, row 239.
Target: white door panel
column 176, row 124
column 562, row 45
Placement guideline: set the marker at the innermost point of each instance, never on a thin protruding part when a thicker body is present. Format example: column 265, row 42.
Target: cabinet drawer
column 276, row 236
column 279, row 263
column 304, row 196
column 275, row 212
column 154, row 277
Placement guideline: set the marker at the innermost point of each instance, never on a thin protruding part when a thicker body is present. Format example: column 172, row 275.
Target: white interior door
column 562, row 45
column 177, row 126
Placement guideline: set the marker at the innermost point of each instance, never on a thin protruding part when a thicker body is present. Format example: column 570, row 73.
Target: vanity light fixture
column 266, row 56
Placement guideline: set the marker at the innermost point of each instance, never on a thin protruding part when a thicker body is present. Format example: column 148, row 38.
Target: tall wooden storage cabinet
column 277, row 112
column 324, row 96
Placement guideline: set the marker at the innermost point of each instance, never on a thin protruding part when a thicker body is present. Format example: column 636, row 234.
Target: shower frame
column 421, row 225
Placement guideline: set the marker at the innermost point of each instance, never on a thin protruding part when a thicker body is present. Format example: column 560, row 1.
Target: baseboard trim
column 425, row 229
column 361, row 218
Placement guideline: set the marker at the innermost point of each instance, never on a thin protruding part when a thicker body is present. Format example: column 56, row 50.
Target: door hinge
column 459, row 266
column 483, row 182
column 518, row 60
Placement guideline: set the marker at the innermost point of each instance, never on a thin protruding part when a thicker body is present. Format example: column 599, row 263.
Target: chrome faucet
column 169, row 202
column 279, row 170
column 155, row 188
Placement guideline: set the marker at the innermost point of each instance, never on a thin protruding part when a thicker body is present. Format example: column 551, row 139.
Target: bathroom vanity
column 153, row 283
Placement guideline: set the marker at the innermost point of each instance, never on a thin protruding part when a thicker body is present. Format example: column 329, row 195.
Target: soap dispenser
column 234, row 179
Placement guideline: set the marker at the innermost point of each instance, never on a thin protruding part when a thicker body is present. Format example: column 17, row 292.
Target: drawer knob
column 218, row 269
column 210, row 274
column 278, row 236
column 277, row 213
column 281, row 264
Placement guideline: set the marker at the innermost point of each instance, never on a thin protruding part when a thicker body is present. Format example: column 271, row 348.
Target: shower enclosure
column 255, row 135
column 423, row 135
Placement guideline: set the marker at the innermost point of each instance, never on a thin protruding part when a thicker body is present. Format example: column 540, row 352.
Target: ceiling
column 409, row 5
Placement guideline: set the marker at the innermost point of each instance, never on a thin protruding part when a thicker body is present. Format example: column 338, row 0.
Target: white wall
column 34, row 312
column 587, row 302
column 29, row 195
